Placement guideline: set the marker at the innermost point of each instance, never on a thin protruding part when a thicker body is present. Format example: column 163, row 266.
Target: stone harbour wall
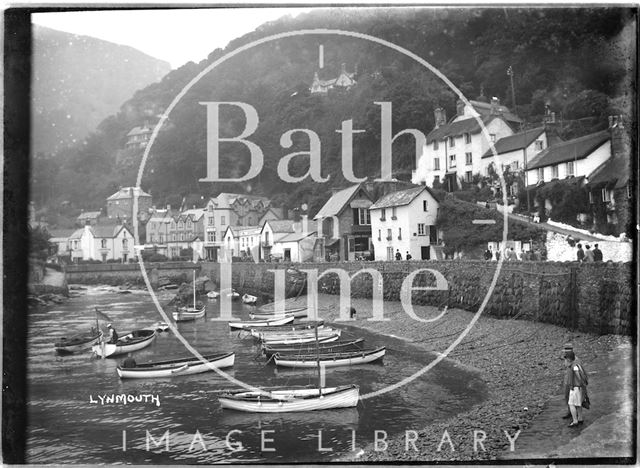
column 117, row 273
column 597, row 297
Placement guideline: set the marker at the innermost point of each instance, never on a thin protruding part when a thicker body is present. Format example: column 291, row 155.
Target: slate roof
column 338, row 201
column 77, row 234
column 238, row 231
column 61, row 233
column 295, row 237
column 484, row 109
column 89, row 215
column 613, row 172
column 281, row 225
column 107, row 231
column 127, row 192
column 515, row 142
column 578, row 148
column 459, row 128
column 400, row 198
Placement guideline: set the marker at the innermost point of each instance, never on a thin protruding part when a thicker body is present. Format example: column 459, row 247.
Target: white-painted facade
column 576, row 168
column 515, row 160
column 409, row 228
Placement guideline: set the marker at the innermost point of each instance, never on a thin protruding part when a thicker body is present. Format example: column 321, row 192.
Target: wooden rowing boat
column 261, row 323
column 177, row 367
column 185, row 314
column 301, row 339
column 280, row 329
column 297, row 312
column 133, row 341
column 322, row 332
column 249, row 299
column 349, row 358
column 324, row 348
column 284, row 400
column 77, row 343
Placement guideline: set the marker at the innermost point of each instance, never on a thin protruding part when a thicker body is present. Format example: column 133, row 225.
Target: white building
column 102, row 243
column 454, row 150
column 296, row 246
column 241, row 241
column 515, row 150
column 573, row 158
column 272, row 231
column 405, row 221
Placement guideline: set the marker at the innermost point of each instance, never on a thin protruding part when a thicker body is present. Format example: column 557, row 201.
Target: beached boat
column 289, row 399
column 348, row 358
column 324, row 348
column 261, row 323
column 133, row 341
column 176, row 367
column 258, row 333
column 249, row 299
column 293, row 339
column 159, row 327
column 232, row 293
column 297, row 312
column 283, row 400
column 322, row 332
column 213, row 294
column 185, row 314
column 279, row 329
column 77, row 343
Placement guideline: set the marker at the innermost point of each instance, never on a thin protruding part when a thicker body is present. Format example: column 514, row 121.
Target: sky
column 176, row 36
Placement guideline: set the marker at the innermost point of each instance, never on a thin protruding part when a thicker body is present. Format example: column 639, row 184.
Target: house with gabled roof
column 453, row 150
column 272, row 231
column 88, row 217
column 343, row 225
column 405, row 222
column 120, row 204
column 296, row 246
column 138, row 137
column 102, row 242
column 60, row 239
column 242, row 241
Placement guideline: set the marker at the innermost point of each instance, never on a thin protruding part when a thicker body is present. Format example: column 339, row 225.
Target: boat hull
column 270, row 338
column 301, row 339
column 261, row 323
column 296, row 312
column 324, row 348
column 249, row 299
column 188, row 314
column 292, row 400
column 76, row 344
column 179, row 367
column 124, row 346
column 330, row 360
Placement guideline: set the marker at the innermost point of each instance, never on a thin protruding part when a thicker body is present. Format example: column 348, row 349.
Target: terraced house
column 102, row 242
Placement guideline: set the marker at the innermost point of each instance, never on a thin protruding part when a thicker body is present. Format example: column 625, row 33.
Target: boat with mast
column 195, row 311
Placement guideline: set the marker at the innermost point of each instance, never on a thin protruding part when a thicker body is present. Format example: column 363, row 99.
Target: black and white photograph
column 315, row 234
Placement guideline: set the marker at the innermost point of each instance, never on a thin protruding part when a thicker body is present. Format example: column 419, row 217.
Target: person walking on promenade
column 588, row 254
column 577, row 388
column 580, row 253
column 408, row 256
column 597, row 254
column 398, row 255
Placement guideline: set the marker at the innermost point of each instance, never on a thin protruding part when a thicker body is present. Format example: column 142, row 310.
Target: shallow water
column 64, row 426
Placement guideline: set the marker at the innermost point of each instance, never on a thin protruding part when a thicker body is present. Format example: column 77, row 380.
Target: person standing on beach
column 398, row 255
column 577, row 388
column 597, row 254
column 580, row 253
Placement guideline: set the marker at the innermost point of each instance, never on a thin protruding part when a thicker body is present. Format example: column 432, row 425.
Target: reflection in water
column 68, row 423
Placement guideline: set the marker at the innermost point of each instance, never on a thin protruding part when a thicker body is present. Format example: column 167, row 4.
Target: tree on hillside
column 39, row 245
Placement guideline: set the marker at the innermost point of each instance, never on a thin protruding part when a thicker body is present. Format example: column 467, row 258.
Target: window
column 75, row 244
column 570, row 168
column 361, row 217
column 180, row 224
column 162, row 238
column 421, row 230
column 125, row 243
column 103, row 243
column 493, row 137
column 182, row 236
column 452, row 160
column 223, row 220
column 514, row 165
column 393, row 213
column 173, row 237
column 383, row 215
column 436, row 180
column 591, row 201
column 554, row 172
column 214, row 236
column 436, row 164
column 435, row 145
column 379, row 234
column 467, row 138
column 210, row 207
column 389, row 234
column 399, row 233
column 189, row 224
column 605, row 195
column 539, row 145
column 468, row 176
column 452, row 142
column 467, row 158
column 424, row 205
column 541, row 174
column 173, row 224
column 211, row 220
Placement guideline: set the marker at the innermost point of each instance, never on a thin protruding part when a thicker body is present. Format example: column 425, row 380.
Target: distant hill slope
column 79, row 81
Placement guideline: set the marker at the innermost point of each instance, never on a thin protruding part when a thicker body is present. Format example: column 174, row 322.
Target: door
column 287, row 255
column 425, row 253
column 390, row 255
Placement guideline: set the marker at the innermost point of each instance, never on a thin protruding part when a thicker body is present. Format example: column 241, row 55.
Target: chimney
column 495, row 106
column 460, row 107
column 440, row 116
column 620, row 141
